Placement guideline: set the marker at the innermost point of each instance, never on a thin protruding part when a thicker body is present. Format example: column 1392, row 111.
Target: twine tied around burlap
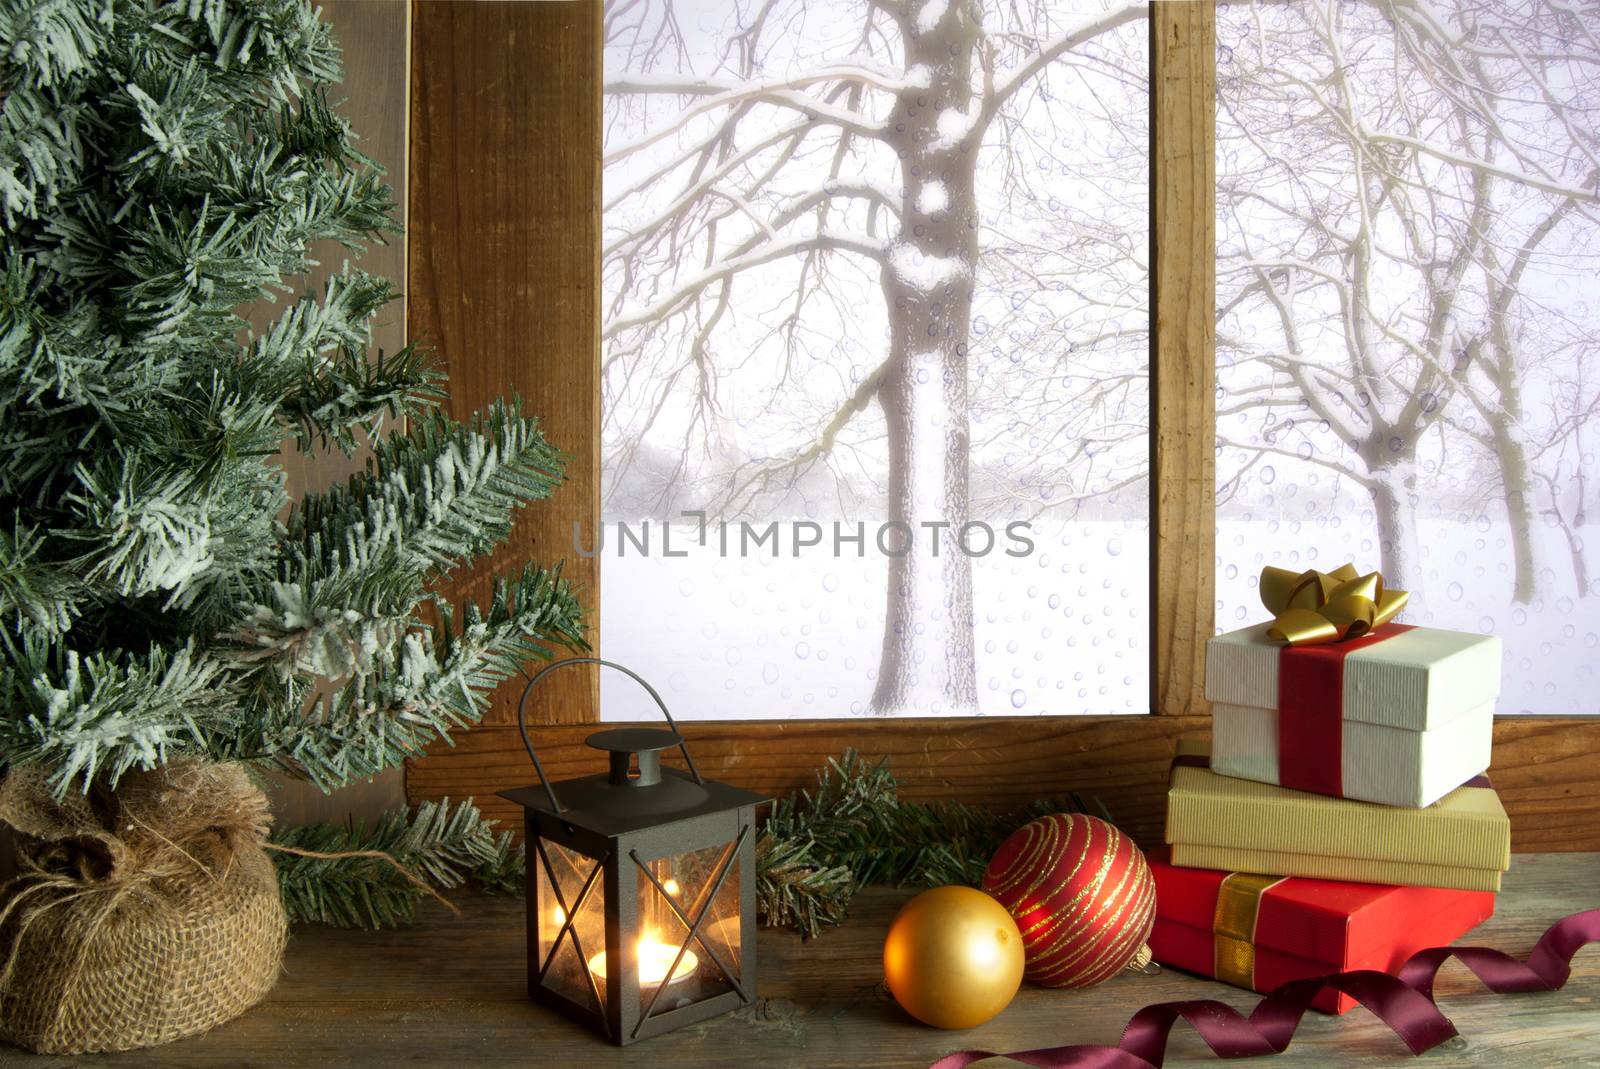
column 140, row 915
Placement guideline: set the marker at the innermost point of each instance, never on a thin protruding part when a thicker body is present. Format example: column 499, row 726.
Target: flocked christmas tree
column 164, row 168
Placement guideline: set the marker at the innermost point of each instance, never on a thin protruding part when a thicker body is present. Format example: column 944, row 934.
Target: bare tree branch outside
column 884, row 263
column 875, row 277
column 1409, row 314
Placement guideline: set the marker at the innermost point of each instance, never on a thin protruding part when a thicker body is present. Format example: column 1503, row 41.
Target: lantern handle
column 522, row 719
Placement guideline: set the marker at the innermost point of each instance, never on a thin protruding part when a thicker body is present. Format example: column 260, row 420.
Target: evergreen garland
column 819, row 847
column 166, row 168
column 446, row 845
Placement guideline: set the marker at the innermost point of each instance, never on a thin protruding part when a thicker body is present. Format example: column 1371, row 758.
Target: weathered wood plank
column 373, row 36
column 1183, row 381
column 505, row 260
column 451, row 992
column 1008, row 762
column 1544, row 767
column 1548, row 776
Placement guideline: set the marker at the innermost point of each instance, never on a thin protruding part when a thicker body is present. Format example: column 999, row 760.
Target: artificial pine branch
column 43, row 597
column 439, row 492
column 104, row 713
column 793, row 889
column 819, row 846
column 443, row 845
column 423, row 684
column 164, row 170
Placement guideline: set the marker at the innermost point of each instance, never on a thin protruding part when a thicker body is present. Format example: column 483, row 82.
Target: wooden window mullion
column 1183, row 414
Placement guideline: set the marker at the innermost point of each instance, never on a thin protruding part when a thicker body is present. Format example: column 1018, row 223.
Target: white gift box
column 1417, row 712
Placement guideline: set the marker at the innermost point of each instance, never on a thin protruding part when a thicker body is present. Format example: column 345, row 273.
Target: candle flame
column 655, row 958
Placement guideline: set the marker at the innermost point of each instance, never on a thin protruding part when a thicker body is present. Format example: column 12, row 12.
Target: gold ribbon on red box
column 1310, row 608
column 1233, row 926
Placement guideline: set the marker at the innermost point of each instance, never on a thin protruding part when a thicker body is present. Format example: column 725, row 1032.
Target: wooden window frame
column 504, row 269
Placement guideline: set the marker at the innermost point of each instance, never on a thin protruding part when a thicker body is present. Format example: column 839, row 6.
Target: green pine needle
column 444, row 846
column 168, row 172
column 819, row 846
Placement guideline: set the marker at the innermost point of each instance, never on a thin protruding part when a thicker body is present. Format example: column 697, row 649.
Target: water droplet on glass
column 1018, row 699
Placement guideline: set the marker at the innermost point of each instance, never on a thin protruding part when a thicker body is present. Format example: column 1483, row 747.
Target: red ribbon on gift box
column 1404, row 1002
column 1311, row 712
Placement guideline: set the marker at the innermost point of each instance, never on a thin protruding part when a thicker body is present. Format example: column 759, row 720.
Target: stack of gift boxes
column 1342, row 818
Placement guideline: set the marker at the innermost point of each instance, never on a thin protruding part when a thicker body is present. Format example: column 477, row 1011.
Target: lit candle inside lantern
column 655, row 958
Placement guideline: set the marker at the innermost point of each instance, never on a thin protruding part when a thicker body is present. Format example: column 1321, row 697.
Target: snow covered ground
column 1061, row 632
column 1551, row 643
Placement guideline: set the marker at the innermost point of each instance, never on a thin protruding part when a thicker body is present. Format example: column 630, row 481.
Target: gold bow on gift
column 1312, row 607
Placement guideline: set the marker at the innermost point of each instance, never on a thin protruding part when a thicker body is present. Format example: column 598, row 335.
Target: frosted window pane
column 879, row 289
column 1409, row 316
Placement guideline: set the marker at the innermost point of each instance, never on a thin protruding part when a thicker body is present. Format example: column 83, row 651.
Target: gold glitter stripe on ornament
column 1065, row 927
column 1043, row 836
column 1234, row 926
column 1046, row 874
column 1090, row 924
column 1094, row 923
column 1123, row 952
column 1026, row 853
column 1059, row 914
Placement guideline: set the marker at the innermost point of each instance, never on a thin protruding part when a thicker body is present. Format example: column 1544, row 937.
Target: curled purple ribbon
column 1403, row 1002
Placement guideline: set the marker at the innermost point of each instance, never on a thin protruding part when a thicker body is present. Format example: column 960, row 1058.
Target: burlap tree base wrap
column 140, row 916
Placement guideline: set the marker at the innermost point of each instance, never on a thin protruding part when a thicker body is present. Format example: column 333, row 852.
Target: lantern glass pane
column 706, row 898
column 567, row 962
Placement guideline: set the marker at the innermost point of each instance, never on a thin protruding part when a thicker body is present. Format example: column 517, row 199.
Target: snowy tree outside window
column 1408, row 332
column 875, row 318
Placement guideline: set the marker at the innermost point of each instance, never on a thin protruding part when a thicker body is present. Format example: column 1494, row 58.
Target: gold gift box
column 1216, row 822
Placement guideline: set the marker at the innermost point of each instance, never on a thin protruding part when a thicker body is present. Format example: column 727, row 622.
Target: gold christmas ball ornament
column 953, row 957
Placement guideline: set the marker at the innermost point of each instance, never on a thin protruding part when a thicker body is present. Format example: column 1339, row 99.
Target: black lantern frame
column 619, row 835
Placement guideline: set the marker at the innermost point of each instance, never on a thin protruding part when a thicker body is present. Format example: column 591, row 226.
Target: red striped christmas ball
column 1081, row 895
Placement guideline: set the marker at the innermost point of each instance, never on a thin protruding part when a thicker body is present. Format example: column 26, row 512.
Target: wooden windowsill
column 451, row 992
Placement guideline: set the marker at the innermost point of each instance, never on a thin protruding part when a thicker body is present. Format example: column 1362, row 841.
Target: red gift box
column 1258, row 932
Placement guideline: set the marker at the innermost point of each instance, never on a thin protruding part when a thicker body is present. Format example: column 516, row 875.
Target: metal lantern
column 641, row 885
